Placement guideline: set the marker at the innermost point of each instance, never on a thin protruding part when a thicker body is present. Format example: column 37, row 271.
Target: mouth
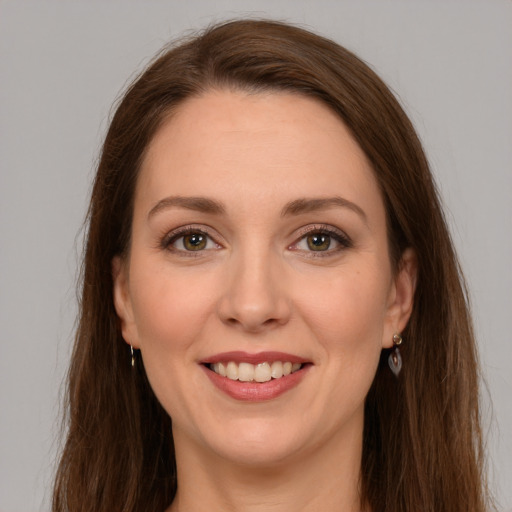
column 255, row 377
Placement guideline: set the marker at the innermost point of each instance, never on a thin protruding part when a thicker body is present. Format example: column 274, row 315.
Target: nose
column 254, row 298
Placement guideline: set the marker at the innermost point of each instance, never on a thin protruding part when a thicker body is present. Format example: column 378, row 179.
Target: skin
column 258, row 286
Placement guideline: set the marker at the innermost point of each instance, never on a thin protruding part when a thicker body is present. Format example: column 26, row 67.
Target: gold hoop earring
column 395, row 358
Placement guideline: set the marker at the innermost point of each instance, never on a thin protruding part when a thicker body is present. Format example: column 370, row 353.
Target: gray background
column 62, row 63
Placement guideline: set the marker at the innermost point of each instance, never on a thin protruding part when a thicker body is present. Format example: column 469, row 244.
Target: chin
column 261, row 451
column 250, row 442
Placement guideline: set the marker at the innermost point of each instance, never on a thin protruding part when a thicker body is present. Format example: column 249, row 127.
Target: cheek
column 346, row 315
column 346, row 308
column 174, row 312
column 171, row 312
column 169, row 309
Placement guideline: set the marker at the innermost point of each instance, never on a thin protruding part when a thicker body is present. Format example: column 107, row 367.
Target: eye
column 322, row 240
column 189, row 240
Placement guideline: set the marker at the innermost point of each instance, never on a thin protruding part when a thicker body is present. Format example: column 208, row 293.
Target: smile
column 261, row 372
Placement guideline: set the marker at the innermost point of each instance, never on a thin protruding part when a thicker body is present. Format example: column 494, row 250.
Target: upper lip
column 239, row 356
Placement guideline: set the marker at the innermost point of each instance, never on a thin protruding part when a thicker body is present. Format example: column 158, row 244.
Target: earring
column 133, row 356
column 395, row 359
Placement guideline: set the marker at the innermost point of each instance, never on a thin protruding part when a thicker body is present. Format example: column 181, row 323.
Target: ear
column 401, row 297
column 122, row 301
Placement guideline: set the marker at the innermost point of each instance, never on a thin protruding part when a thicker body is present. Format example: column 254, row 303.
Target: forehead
column 269, row 144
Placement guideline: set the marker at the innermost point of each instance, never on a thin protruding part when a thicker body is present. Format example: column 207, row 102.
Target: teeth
column 219, row 368
column 232, row 371
column 262, row 372
column 245, row 372
column 276, row 369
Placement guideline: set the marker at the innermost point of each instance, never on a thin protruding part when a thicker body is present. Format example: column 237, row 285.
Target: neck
column 326, row 478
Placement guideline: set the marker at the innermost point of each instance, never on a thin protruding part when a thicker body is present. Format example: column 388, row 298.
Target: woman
column 264, row 232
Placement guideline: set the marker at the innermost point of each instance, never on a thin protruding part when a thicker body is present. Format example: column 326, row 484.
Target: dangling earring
column 133, row 356
column 395, row 359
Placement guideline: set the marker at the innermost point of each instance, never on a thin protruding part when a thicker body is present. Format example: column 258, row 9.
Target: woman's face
column 259, row 244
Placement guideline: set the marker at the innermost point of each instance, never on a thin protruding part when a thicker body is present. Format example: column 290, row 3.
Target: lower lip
column 256, row 391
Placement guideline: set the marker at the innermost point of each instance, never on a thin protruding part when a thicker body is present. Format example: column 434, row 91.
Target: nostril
column 251, row 323
column 252, row 308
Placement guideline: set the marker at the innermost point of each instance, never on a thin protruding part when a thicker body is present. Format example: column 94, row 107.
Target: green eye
column 318, row 242
column 189, row 239
column 195, row 241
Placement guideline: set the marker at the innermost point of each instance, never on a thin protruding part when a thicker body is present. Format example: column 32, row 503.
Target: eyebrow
column 295, row 207
column 199, row 204
column 307, row 205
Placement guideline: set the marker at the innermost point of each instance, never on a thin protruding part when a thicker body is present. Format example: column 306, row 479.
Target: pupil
column 319, row 242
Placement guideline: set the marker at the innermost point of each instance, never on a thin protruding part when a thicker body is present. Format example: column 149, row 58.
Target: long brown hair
column 422, row 440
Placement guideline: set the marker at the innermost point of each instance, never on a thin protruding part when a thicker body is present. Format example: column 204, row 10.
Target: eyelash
column 337, row 235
